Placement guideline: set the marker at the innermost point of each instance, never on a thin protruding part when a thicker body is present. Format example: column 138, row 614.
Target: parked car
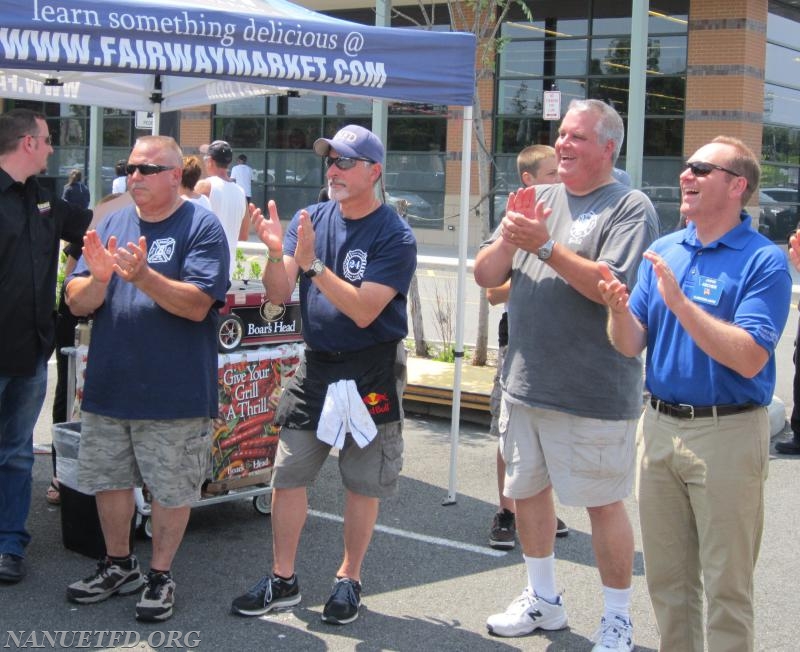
column 667, row 202
column 777, row 218
column 412, row 206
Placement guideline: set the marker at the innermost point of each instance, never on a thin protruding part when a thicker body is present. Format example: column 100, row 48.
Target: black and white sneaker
column 267, row 594
column 342, row 607
column 157, row 599
column 108, row 579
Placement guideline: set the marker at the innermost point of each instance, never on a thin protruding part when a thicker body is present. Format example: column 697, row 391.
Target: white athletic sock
column 542, row 576
column 617, row 602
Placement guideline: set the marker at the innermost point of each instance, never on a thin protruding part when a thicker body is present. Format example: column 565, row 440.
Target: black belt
column 684, row 411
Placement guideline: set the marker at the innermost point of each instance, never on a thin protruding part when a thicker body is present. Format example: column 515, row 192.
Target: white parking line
column 437, row 541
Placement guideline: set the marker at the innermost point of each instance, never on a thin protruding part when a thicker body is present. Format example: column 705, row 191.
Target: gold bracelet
column 275, row 259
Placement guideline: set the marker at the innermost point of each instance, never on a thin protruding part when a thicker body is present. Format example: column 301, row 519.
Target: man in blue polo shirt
column 709, row 305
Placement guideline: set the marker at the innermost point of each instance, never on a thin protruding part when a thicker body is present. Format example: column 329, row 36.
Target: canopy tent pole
column 156, row 98
column 463, row 233
column 95, row 167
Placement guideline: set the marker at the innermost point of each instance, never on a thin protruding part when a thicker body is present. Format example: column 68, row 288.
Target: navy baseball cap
column 352, row 141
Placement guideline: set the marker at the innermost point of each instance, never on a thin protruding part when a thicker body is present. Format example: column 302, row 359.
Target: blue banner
column 247, row 41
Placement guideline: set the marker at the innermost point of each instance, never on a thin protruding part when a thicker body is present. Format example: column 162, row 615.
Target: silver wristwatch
column 317, row 267
column 546, row 250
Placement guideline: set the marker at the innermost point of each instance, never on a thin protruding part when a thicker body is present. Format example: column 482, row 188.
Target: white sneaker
column 615, row 635
column 527, row 613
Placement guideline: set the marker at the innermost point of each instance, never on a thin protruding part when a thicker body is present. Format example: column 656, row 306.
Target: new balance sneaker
column 157, row 599
column 526, row 614
column 614, row 635
column 108, row 579
column 504, row 530
column 267, row 594
column 342, row 607
column 561, row 528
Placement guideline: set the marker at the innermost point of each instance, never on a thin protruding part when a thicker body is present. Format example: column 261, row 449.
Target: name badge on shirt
column 707, row 290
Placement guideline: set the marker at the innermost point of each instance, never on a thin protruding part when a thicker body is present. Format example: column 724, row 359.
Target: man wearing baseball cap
column 355, row 258
column 227, row 198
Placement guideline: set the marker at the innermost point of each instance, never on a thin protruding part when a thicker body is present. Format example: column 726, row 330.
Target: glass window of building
column 277, row 134
column 779, row 202
column 583, row 49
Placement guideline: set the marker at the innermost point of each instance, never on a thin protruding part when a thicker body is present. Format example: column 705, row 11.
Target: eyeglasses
column 703, row 169
column 344, row 162
column 48, row 140
column 146, row 169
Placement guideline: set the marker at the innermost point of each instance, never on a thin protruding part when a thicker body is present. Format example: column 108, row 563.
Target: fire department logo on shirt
column 355, row 262
column 161, row 250
column 581, row 227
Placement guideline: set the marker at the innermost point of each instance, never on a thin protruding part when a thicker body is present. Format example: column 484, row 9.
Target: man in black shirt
column 32, row 225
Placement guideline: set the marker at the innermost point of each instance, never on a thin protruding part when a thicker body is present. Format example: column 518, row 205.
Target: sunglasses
column 146, row 169
column 48, row 140
column 344, row 162
column 702, row 169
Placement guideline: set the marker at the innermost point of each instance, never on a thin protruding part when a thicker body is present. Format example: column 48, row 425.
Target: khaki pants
column 701, row 505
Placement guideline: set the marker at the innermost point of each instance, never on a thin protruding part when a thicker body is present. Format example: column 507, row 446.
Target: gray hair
column 609, row 126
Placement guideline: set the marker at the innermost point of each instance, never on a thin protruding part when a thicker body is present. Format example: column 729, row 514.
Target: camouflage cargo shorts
column 170, row 456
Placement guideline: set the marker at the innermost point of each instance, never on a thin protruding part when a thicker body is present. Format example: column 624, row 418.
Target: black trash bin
column 80, row 524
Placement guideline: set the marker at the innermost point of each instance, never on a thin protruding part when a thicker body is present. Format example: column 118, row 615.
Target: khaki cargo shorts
column 589, row 462
column 170, row 456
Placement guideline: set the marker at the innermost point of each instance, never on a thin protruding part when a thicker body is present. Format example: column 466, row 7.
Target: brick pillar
column 196, row 127
column 725, row 72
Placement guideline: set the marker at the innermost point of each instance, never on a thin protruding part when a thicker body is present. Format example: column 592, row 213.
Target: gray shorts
column 171, row 456
column 589, row 462
column 369, row 471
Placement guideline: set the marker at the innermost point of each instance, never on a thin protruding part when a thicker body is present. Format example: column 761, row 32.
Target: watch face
column 546, row 250
column 317, row 266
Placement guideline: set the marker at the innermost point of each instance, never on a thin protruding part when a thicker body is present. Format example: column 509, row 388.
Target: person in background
column 536, row 164
column 242, row 174
column 32, row 225
column 355, row 258
column 75, row 191
column 120, row 183
column 791, row 446
column 64, row 337
column 153, row 276
column 622, row 176
column 228, row 201
column 66, row 323
column 709, row 305
column 570, row 401
column 192, row 171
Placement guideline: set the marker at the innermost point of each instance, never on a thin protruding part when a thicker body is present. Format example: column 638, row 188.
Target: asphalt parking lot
column 430, row 581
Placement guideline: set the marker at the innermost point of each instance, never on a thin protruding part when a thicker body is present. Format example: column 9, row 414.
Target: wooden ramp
column 431, row 381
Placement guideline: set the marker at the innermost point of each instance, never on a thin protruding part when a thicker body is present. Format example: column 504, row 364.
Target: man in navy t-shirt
column 355, row 258
column 153, row 275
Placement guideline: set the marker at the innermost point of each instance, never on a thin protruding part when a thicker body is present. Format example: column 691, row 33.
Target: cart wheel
column 229, row 333
column 147, row 527
column 262, row 504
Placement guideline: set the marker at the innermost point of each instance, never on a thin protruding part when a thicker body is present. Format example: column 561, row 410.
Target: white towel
column 343, row 411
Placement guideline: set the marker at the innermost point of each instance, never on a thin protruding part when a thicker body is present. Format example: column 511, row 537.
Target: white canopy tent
column 155, row 55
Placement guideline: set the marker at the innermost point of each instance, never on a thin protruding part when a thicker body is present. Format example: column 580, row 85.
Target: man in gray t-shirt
column 570, row 401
